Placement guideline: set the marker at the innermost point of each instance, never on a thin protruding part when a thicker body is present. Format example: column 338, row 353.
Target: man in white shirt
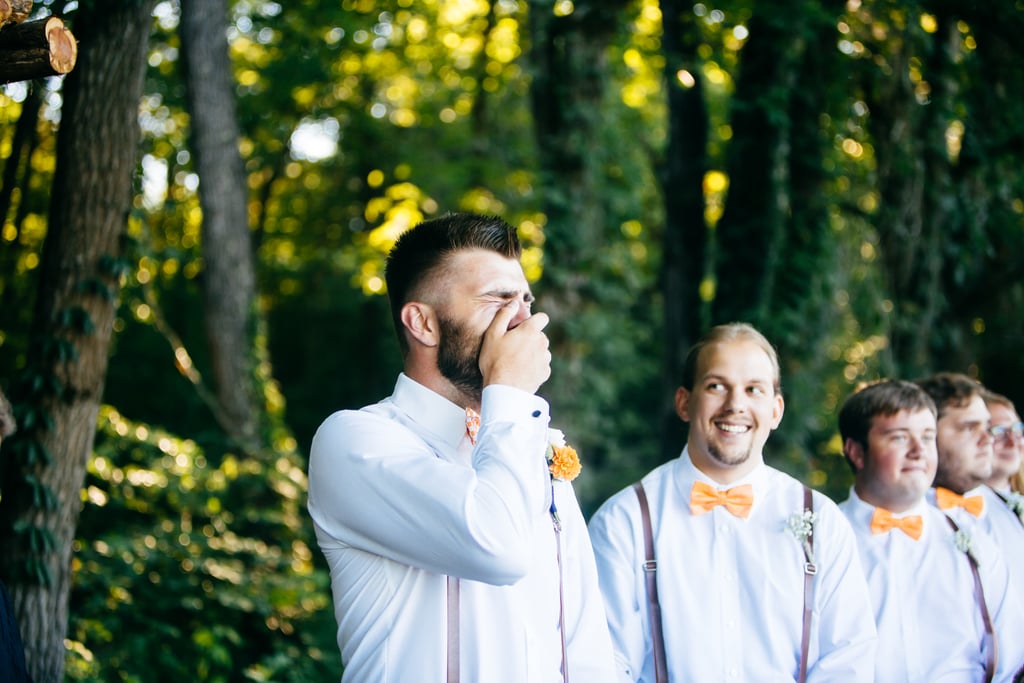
column 1007, row 432
column 732, row 579
column 1003, row 515
column 454, row 552
column 931, row 626
column 965, row 446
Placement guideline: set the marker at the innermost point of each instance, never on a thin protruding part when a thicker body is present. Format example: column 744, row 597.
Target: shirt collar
column 688, row 473
column 863, row 510
column 431, row 411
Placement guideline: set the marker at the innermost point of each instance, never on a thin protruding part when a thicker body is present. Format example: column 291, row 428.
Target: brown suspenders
column 654, row 608
column 651, row 574
column 453, row 660
column 453, row 630
column 979, row 593
column 810, row 569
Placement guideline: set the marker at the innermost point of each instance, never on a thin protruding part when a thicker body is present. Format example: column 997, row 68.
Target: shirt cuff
column 502, row 403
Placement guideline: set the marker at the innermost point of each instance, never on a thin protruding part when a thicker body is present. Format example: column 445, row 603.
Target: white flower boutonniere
column 563, row 461
column 801, row 525
column 1015, row 502
column 965, row 544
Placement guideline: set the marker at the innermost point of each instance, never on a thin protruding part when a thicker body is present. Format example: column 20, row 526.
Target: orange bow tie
column 946, row 499
column 736, row 500
column 472, row 424
column 883, row 521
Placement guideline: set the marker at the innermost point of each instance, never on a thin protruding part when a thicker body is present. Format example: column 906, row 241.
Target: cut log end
column 20, row 9
column 63, row 47
column 36, row 49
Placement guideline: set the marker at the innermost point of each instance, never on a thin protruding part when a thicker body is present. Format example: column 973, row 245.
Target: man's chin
column 729, row 457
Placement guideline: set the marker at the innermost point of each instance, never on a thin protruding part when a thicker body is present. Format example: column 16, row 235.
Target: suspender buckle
column 651, row 566
column 810, row 568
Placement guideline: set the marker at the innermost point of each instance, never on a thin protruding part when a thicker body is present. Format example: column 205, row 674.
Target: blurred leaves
column 212, row 557
column 892, row 130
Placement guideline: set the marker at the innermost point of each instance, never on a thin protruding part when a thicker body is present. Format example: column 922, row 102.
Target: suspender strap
column 654, row 608
column 453, row 613
column 453, row 630
column 979, row 592
column 561, row 591
column 651, row 573
column 810, row 569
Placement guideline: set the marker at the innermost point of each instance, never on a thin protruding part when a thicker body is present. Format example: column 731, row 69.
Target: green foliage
column 212, row 556
column 360, row 118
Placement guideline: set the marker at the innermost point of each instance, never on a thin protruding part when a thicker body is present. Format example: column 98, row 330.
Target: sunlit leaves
column 169, row 544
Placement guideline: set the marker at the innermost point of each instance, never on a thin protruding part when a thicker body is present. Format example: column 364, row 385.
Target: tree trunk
column 16, row 166
column 229, row 281
column 911, row 232
column 684, row 246
column 808, row 275
column 749, row 235
column 567, row 93
column 72, row 326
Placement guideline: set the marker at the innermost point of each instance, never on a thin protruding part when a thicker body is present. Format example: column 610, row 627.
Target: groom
column 453, row 550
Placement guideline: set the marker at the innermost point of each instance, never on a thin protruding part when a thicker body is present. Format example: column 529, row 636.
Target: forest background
column 194, row 223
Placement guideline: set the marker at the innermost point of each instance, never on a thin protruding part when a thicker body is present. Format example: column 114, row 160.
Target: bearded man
column 456, row 550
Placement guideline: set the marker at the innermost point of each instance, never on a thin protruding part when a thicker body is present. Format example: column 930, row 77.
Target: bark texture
column 229, row 281
column 79, row 281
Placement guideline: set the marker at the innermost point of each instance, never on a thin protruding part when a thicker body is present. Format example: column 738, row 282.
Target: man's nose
column 521, row 314
column 736, row 399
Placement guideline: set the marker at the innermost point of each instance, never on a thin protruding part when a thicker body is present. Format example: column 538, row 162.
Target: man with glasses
column 923, row 587
column 965, row 448
column 1007, row 432
column 1005, row 519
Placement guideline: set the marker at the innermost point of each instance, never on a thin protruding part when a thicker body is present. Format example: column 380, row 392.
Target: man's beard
column 726, row 458
column 458, row 358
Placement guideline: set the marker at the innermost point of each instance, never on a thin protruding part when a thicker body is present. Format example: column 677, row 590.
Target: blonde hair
column 1017, row 480
column 722, row 334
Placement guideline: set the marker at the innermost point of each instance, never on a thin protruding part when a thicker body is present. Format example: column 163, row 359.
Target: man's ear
column 420, row 323
column 855, row 452
column 682, row 404
column 778, row 408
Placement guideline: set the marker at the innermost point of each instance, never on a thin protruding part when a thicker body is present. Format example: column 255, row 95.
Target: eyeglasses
column 1012, row 430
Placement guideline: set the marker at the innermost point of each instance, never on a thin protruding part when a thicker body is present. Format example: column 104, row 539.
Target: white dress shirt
column 399, row 499
column 1007, row 530
column 929, row 621
column 731, row 589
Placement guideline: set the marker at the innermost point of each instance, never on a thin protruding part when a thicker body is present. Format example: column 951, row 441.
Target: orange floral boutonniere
column 563, row 461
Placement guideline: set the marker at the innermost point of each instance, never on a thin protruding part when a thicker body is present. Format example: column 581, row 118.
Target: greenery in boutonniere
column 801, row 525
column 965, row 544
column 1015, row 502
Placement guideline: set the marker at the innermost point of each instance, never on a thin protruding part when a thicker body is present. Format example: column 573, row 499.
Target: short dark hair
column 422, row 252
column 992, row 398
column 885, row 397
column 950, row 389
column 730, row 332
column 7, row 423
